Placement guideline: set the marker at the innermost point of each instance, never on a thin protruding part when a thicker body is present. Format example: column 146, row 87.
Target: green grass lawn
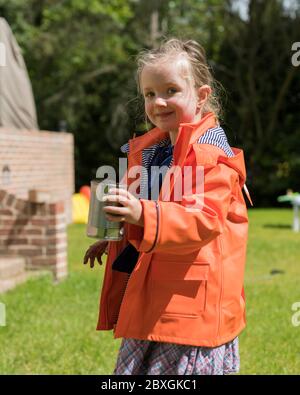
column 50, row 329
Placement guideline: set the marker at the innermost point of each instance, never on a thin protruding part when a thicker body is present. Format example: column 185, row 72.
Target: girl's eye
column 172, row 90
column 149, row 94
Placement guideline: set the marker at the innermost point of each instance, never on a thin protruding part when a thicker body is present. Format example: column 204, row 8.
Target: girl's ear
column 203, row 93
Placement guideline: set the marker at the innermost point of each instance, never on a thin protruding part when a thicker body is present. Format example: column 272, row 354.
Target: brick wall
column 38, row 160
column 34, row 231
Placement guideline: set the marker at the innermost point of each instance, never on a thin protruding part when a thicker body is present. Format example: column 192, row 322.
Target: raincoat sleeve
column 176, row 228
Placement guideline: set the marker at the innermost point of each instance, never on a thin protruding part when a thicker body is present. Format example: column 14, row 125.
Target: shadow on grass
column 277, row 226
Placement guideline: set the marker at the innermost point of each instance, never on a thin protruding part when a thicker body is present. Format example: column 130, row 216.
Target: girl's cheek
column 148, row 109
column 173, row 100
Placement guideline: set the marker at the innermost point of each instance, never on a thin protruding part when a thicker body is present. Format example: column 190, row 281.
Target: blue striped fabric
column 147, row 156
column 216, row 136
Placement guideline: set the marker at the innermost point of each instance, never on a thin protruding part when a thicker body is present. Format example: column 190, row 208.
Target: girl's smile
column 164, row 115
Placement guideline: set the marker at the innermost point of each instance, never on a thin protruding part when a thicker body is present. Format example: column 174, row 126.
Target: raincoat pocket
column 179, row 288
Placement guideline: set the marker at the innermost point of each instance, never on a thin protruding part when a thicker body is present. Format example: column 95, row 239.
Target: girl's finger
column 92, row 259
column 120, row 192
column 115, row 198
column 115, row 210
column 113, row 218
column 86, row 258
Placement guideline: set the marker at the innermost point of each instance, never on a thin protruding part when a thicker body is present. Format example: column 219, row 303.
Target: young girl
column 173, row 287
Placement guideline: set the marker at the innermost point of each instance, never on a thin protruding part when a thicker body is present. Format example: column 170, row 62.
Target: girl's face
column 170, row 99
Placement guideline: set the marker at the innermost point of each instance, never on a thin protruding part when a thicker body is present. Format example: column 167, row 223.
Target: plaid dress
column 144, row 357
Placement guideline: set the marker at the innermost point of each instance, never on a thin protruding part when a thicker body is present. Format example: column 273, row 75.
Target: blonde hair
column 199, row 69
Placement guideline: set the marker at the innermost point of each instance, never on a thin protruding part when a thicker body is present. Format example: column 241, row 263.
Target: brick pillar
column 36, row 231
column 57, row 243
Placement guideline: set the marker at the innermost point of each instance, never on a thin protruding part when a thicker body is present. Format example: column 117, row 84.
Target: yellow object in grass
column 80, row 209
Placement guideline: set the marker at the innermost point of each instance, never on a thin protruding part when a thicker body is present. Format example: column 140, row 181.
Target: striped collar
column 214, row 136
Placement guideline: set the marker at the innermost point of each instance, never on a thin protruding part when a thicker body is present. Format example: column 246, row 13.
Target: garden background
column 80, row 57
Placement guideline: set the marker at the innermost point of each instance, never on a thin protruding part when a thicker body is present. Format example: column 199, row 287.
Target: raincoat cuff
column 134, row 232
column 150, row 214
column 148, row 233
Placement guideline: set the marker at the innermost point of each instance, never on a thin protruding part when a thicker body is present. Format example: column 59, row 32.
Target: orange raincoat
column 187, row 285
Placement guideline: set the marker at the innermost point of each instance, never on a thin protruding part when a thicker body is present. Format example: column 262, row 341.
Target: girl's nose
column 160, row 102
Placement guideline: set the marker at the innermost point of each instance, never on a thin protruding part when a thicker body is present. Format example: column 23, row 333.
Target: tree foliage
column 263, row 89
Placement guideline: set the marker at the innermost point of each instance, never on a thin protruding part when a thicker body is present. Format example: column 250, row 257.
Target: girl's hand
column 131, row 210
column 96, row 250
